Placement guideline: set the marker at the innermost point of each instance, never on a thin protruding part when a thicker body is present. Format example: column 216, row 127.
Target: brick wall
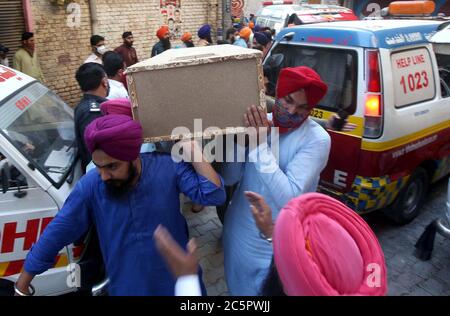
column 62, row 48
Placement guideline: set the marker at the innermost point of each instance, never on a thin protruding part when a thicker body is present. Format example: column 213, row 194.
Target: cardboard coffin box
column 215, row 84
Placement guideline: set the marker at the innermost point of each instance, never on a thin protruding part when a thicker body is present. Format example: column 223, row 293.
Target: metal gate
column 12, row 25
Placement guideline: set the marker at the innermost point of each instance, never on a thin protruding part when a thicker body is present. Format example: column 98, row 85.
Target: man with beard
column 163, row 34
column 126, row 198
column 94, row 84
column 303, row 149
column 204, row 34
column 126, row 50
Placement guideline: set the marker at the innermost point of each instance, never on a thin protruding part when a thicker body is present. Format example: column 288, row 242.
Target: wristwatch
column 268, row 239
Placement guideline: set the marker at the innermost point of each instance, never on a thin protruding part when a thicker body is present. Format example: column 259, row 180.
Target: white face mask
column 102, row 49
column 237, row 37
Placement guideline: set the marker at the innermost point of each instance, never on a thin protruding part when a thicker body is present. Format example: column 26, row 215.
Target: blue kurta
column 125, row 226
column 303, row 153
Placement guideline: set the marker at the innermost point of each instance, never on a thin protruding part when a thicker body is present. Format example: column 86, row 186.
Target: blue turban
column 261, row 38
column 205, row 31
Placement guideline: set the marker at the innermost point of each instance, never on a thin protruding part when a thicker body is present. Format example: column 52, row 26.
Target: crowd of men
column 279, row 237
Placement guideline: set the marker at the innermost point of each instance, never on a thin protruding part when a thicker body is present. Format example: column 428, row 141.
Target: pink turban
column 294, row 79
column 321, row 247
column 117, row 135
column 116, row 106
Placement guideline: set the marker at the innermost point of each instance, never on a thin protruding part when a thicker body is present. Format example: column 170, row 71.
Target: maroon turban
column 116, row 106
column 294, row 79
column 117, row 135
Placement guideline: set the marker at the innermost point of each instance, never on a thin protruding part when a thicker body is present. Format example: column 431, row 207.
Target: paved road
column 407, row 275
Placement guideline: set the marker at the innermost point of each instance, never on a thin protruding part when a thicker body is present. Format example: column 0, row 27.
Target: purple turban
column 116, row 106
column 204, row 31
column 117, row 135
column 261, row 38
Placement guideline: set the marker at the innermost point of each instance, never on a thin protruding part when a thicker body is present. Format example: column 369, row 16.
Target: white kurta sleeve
column 233, row 168
column 188, row 285
column 301, row 173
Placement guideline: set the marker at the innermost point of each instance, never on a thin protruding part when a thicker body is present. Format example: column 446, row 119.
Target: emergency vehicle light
column 266, row 3
column 373, row 105
column 373, row 67
column 412, row 7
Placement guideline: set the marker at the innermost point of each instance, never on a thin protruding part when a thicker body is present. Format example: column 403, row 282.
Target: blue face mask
column 285, row 120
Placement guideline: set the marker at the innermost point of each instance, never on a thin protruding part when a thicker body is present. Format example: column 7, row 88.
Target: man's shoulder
column 316, row 132
column 20, row 52
column 87, row 105
column 89, row 181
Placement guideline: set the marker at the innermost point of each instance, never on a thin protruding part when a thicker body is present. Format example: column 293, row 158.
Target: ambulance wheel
column 410, row 199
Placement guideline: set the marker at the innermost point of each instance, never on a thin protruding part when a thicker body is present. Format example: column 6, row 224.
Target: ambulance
column 38, row 170
column 277, row 14
column 394, row 85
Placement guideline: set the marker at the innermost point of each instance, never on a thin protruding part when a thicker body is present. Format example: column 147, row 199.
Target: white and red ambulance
column 37, row 172
column 386, row 74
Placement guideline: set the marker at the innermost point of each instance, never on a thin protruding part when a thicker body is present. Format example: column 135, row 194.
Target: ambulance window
column 444, row 73
column 413, row 77
column 16, row 179
column 40, row 125
column 337, row 67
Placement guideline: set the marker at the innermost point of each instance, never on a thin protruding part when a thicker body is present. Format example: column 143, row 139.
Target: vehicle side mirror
column 5, row 175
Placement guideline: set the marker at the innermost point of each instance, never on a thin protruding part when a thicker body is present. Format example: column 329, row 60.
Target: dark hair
column 4, row 49
column 272, row 284
column 95, row 39
column 222, row 42
column 229, row 32
column 112, row 63
column 126, row 34
column 90, row 76
column 26, row 36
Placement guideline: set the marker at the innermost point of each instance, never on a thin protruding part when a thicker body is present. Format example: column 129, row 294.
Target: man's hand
column 179, row 261
column 257, row 118
column 192, row 151
column 348, row 127
column 23, row 283
column 261, row 212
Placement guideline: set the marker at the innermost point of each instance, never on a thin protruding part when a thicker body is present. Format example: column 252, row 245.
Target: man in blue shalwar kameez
column 126, row 198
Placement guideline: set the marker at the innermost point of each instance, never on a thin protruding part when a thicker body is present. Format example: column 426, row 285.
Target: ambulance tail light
column 373, row 107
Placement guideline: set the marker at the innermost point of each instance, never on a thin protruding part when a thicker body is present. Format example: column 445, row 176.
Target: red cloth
column 322, row 247
column 116, row 106
column 162, row 31
column 294, row 79
column 117, row 135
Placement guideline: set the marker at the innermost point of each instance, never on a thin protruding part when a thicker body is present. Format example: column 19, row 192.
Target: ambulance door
column 25, row 210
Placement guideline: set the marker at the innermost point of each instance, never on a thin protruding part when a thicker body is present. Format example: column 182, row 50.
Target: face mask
column 286, row 121
column 236, row 38
column 102, row 49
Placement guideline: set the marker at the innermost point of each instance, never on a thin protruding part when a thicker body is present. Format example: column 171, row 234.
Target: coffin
column 214, row 84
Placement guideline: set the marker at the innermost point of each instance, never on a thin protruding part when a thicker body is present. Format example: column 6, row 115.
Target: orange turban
column 162, row 31
column 186, row 37
column 245, row 33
